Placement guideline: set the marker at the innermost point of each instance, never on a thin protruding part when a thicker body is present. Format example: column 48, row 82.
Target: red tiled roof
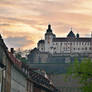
column 14, row 59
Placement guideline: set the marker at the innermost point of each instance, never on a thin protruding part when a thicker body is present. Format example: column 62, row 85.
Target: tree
column 19, row 56
column 83, row 71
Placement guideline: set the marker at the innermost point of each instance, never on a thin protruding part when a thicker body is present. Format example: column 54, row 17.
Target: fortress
column 71, row 44
column 61, row 50
column 53, row 55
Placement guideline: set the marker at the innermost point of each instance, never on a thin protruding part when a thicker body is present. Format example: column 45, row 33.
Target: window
column 89, row 43
column 54, row 48
column 61, row 43
column 85, row 48
column 79, row 43
column 55, row 51
column 65, row 48
column 78, row 48
column 64, row 43
column 76, row 43
column 82, row 48
column 90, row 48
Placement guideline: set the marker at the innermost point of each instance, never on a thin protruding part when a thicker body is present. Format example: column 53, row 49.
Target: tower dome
column 71, row 34
column 77, row 35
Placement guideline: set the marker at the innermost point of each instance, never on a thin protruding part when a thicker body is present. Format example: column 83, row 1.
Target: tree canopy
column 19, row 56
column 83, row 71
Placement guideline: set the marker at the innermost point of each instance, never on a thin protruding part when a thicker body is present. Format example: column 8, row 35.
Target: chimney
column 12, row 50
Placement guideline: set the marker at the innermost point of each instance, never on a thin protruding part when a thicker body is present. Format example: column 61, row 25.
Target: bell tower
column 48, row 39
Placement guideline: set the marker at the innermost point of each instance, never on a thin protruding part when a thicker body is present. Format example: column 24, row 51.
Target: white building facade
column 70, row 44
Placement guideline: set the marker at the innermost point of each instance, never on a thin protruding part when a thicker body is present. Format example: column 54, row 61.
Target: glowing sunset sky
column 24, row 22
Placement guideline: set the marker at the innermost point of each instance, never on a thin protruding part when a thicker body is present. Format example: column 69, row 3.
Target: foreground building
column 16, row 76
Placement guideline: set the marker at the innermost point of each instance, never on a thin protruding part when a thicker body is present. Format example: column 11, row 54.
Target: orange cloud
column 28, row 19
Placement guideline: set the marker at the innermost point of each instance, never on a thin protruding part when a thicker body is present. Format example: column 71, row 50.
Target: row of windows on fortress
column 66, row 48
column 73, row 43
column 85, row 48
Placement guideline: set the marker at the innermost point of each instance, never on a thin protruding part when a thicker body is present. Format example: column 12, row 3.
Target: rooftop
column 82, row 39
column 71, row 34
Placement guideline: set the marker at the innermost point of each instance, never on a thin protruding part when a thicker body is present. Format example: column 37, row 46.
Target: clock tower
column 48, row 39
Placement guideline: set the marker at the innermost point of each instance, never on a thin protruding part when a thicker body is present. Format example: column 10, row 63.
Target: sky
column 24, row 22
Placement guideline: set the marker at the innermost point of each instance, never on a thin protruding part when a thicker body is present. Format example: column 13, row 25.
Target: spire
column 49, row 30
column 71, row 34
column 77, row 35
column 49, row 26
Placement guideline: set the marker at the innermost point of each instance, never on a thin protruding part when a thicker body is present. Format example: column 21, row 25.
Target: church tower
column 48, row 39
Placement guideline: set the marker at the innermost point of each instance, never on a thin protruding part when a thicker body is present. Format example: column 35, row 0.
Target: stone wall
column 65, row 85
column 44, row 57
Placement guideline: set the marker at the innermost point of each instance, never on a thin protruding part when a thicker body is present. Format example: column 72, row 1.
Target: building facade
column 19, row 77
column 71, row 44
